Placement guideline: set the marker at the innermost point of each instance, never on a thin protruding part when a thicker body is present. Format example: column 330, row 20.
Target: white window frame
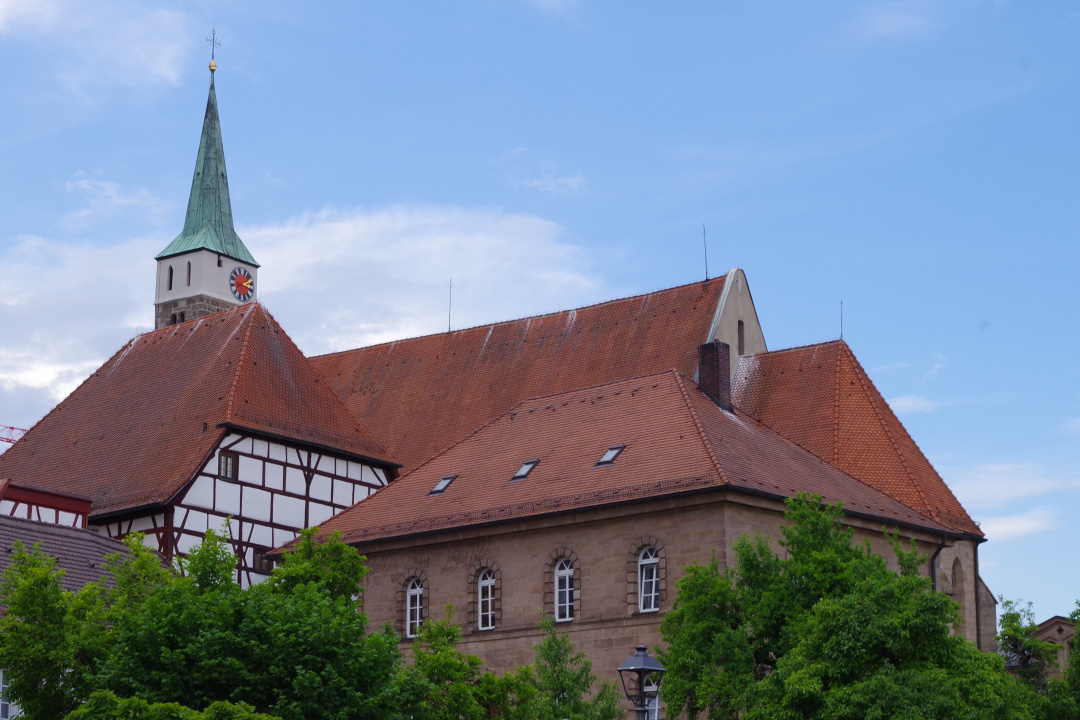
column 649, row 580
column 564, row 590
column 485, row 600
column 8, row 709
column 414, row 608
column 653, row 709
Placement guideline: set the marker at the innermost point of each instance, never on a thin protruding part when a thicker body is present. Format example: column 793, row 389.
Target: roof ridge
column 797, row 347
column 240, row 363
column 319, row 378
column 863, row 379
column 700, row 428
column 530, row 317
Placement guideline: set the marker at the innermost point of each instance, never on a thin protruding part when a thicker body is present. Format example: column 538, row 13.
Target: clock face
column 242, row 284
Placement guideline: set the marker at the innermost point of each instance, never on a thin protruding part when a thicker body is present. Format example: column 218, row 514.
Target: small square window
column 227, row 462
column 611, row 454
column 525, row 469
column 442, row 485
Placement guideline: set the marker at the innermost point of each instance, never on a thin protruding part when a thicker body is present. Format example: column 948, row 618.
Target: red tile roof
column 144, row 423
column 422, row 394
column 677, row 440
column 820, row 397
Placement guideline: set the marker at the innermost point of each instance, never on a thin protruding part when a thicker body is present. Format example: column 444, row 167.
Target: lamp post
column 641, row 675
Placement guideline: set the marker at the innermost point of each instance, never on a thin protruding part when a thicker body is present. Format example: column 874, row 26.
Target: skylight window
column 525, row 469
column 442, row 485
column 611, row 454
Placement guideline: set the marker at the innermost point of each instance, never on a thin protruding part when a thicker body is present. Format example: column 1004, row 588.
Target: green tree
column 331, row 564
column 104, row 705
column 828, row 631
column 1030, row 659
column 559, row 683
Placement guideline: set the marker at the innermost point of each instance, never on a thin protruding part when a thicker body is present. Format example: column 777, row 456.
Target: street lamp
column 641, row 675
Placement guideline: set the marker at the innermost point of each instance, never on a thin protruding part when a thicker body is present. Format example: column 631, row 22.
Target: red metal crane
column 10, row 434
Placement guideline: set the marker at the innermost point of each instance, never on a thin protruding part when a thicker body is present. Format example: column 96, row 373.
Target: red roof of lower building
column 676, row 440
column 820, row 397
column 140, row 427
column 422, row 394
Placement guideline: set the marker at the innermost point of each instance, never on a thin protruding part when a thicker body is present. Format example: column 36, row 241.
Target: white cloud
column 940, row 363
column 89, row 43
column 1006, row 527
column 1002, row 484
column 341, row 279
column 555, row 185
column 335, row 280
column 902, row 20
column 105, row 199
column 907, row 404
column 530, row 169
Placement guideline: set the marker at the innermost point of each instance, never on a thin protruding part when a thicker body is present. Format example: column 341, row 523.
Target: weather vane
column 214, row 45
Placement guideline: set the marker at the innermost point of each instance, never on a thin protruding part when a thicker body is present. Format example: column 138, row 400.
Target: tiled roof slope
column 677, row 440
column 142, row 425
column 428, row 392
column 77, row 551
column 820, row 397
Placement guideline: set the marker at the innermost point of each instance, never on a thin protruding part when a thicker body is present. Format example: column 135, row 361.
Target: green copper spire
column 209, row 222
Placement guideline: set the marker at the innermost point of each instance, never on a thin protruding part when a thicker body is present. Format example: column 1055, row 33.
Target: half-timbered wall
column 41, row 513
column 42, row 506
column 278, row 490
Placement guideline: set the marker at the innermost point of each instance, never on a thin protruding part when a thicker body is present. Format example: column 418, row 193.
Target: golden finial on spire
column 214, row 45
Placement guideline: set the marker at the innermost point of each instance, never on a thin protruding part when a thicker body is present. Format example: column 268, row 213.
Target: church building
column 570, row 463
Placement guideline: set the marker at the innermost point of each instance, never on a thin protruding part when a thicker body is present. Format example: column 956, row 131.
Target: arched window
column 959, row 589
column 172, row 319
column 170, row 277
column 742, row 339
column 189, row 273
column 414, row 607
column 564, row 590
column 648, row 580
column 181, row 317
column 485, row 600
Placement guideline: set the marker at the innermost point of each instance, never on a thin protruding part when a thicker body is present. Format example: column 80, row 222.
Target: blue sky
column 916, row 160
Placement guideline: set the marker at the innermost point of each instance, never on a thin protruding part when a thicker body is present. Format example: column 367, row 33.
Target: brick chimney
column 714, row 372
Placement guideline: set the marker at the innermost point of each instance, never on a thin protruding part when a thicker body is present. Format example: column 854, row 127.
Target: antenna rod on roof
column 704, row 245
column 450, row 307
column 841, row 319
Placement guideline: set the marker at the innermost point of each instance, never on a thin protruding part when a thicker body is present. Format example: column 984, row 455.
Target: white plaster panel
column 216, row 523
column 151, row 541
column 320, row 488
column 256, row 504
column 274, row 476
column 276, row 452
column 299, row 456
column 230, row 438
column 256, row 578
column 343, row 493
column 288, row 511
column 360, row 492
column 325, row 464
column 228, row 498
column 259, row 447
column 262, row 535
column 142, row 524
column 67, row 518
column 250, row 471
column 283, row 536
column 187, row 542
column 249, row 556
column 195, row 521
column 356, row 471
column 236, row 530
column 201, row 493
column 294, row 481
column 243, row 446
column 5, row 507
column 317, row 513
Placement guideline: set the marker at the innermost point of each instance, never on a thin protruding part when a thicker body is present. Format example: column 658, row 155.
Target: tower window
column 219, row 261
column 172, row 319
column 189, row 273
column 182, row 317
column 170, row 277
column 742, row 342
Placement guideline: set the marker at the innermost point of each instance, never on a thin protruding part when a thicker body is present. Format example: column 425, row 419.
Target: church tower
column 206, row 268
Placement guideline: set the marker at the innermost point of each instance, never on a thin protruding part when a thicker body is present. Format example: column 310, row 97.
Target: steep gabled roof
column 425, row 393
column 677, row 440
column 142, row 425
column 820, row 397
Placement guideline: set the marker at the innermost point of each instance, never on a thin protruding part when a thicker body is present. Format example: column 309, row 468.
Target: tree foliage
column 104, row 705
column 826, row 631
column 559, row 684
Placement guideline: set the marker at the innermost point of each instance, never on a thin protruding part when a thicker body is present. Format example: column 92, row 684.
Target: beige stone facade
column 604, row 544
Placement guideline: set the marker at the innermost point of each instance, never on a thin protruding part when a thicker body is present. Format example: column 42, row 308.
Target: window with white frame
column 414, row 608
column 648, row 580
column 652, row 703
column 564, row 590
column 485, row 600
column 7, row 708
